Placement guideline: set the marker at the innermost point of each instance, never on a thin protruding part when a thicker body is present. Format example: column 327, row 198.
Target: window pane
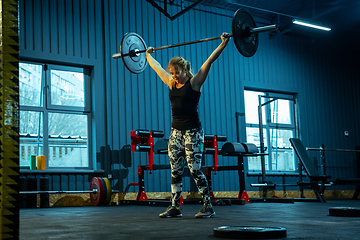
column 282, row 157
column 276, row 142
column 254, row 163
column 253, row 136
column 68, row 140
column 251, row 107
column 31, row 84
column 31, row 136
column 67, row 88
column 280, row 111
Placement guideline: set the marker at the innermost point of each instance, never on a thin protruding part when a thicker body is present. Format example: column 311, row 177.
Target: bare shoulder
column 195, row 85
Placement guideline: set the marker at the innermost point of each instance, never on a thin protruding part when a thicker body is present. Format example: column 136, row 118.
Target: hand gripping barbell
column 244, row 33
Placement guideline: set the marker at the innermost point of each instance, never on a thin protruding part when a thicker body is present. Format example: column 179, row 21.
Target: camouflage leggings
column 187, row 144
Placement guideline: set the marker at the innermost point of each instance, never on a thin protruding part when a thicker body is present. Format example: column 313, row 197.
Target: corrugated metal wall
column 89, row 32
column 68, row 33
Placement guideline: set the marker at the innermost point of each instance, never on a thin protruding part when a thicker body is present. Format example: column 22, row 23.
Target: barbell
column 244, row 33
column 333, row 150
column 100, row 191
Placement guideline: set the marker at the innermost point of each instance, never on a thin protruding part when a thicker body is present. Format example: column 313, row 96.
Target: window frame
column 46, row 107
column 48, row 83
column 267, row 126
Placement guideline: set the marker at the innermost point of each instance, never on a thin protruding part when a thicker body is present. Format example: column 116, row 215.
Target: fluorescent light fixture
column 300, row 22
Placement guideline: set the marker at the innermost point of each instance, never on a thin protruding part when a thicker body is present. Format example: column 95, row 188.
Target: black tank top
column 184, row 106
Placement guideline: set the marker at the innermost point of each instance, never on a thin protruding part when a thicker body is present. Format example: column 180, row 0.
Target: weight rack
column 143, row 141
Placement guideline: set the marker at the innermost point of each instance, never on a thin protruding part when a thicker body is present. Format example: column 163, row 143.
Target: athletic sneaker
column 205, row 212
column 171, row 212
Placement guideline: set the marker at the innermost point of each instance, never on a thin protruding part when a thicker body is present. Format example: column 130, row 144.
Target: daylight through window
column 54, row 115
column 278, row 127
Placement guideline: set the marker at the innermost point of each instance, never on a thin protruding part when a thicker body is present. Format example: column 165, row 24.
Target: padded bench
column 317, row 182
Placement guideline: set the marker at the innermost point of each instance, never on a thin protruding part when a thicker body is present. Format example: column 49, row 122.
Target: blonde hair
column 179, row 63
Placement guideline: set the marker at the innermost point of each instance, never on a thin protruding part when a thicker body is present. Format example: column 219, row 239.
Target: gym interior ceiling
column 342, row 16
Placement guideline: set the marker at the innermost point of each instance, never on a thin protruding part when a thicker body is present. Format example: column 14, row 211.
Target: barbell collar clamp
column 117, row 55
column 247, row 31
column 268, row 28
column 132, row 53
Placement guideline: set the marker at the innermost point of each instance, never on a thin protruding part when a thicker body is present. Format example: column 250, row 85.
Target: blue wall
column 87, row 33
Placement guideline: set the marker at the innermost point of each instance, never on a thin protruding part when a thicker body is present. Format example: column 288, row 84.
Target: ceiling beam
column 164, row 10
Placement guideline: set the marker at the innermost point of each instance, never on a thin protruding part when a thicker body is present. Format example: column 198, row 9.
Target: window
column 278, row 124
column 55, row 115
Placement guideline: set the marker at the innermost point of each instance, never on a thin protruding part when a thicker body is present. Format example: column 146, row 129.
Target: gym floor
column 302, row 220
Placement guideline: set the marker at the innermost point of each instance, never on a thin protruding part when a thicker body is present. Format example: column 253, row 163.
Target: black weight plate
column 246, row 232
column 344, row 211
column 135, row 63
column 246, row 43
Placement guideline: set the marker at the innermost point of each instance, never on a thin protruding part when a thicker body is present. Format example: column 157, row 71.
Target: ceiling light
column 300, row 22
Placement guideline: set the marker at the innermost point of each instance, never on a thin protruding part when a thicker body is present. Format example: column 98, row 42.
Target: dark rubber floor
column 302, row 220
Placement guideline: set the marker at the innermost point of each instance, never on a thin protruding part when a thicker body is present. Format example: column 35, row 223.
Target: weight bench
column 239, row 150
column 317, row 182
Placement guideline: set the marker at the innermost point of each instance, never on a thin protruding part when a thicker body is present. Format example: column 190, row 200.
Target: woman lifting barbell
column 187, row 135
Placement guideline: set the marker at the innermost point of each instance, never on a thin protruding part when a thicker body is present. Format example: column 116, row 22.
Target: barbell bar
column 274, row 185
column 334, row 150
column 94, row 191
column 134, row 52
column 244, row 33
column 251, row 31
